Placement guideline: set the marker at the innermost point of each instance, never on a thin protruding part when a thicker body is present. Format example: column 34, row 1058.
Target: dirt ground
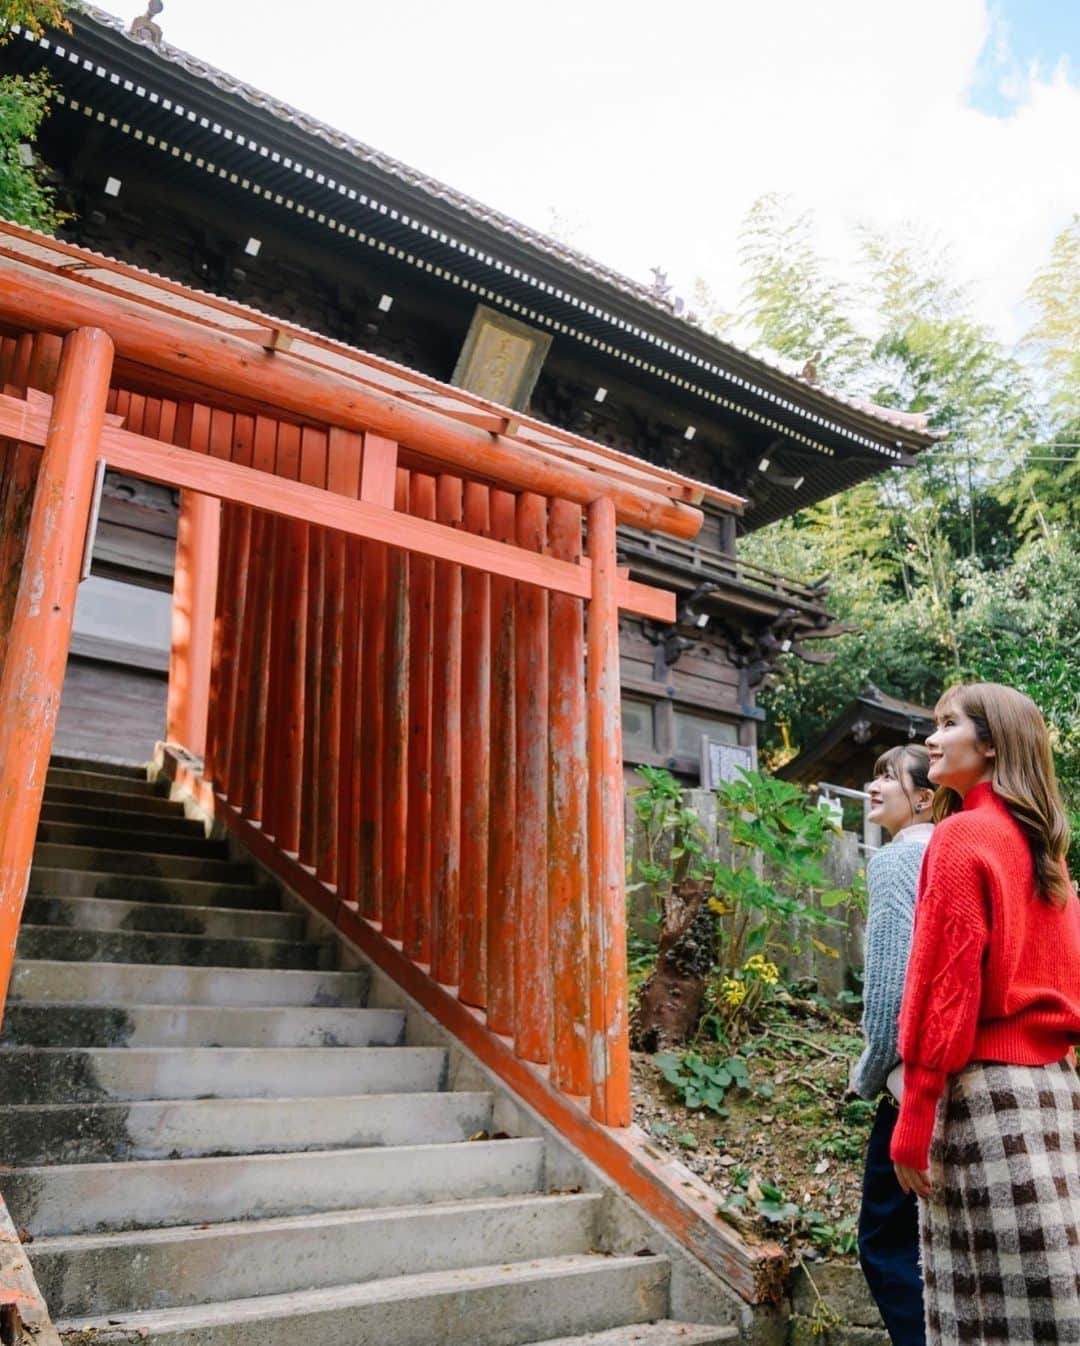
column 786, row 1161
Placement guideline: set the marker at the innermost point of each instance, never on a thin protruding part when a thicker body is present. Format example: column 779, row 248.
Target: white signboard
column 723, row 761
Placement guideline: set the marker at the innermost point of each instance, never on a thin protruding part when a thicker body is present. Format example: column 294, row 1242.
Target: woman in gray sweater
column 900, row 799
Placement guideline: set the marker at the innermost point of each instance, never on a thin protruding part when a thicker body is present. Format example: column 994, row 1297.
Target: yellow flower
column 732, row 992
column 759, row 966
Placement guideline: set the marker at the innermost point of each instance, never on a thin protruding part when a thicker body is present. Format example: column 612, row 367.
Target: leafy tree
column 25, row 195
column 36, row 15
column 792, row 304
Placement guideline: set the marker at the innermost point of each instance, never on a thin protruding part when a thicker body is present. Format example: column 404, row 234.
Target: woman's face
column 957, row 757
column 893, row 799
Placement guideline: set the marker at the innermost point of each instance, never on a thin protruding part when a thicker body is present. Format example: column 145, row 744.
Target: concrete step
column 146, row 804
column 45, row 980
column 92, row 1074
column 94, row 913
column 73, row 1025
column 100, row 860
column 139, row 840
column 51, row 882
column 128, row 770
column 96, row 1133
column 478, row 1306
column 665, row 1333
column 143, row 946
column 155, row 1193
column 88, row 1274
column 102, row 782
column 123, row 820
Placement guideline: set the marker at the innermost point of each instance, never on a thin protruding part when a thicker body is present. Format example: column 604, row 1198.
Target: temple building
column 174, row 166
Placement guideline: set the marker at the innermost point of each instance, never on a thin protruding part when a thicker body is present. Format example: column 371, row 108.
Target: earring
column 918, row 808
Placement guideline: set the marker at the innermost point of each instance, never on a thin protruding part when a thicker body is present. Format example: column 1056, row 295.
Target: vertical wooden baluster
column 476, row 759
column 502, row 816
column 235, row 436
column 532, row 973
column 312, row 470
column 446, row 750
column 293, row 654
column 378, row 487
column 280, row 792
column 418, row 853
column 609, row 1052
column 264, row 455
column 343, row 478
column 353, row 778
column 396, row 729
column 568, row 792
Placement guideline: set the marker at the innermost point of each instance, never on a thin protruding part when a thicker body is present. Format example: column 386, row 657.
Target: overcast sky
column 647, row 129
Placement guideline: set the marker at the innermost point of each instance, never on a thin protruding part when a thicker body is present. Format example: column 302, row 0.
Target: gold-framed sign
column 501, row 358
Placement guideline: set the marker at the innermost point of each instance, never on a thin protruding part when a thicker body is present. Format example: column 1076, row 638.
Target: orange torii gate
column 395, row 635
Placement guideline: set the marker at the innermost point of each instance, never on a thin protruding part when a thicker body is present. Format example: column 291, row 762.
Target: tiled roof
column 909, row 423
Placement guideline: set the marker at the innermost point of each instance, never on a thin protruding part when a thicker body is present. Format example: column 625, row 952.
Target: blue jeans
column 889, row 1238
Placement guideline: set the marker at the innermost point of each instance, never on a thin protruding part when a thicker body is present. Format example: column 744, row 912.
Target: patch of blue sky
column 1024, row 37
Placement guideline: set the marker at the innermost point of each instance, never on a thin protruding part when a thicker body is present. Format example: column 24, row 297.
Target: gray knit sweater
column 892, row 877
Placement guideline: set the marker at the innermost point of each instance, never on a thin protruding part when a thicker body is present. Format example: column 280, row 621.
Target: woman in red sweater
column 989, row 1119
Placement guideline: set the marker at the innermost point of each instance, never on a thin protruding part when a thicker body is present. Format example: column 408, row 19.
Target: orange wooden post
column 568, row 792
column 263, row 457
column 350, row 785
column 313, row 644
column 476, row 759
column 446, row 750
column 378, row 485
column 396, row 730
column 609, row 1050
column 502, row 815
column 417, row 928
column 342, row 477
column 532, row 977
column 313, row 448
column 194, row 597
column 234, row 436
column 291, row 654
column 40, row 632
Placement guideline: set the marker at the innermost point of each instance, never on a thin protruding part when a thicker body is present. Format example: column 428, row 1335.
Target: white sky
column 650, row 128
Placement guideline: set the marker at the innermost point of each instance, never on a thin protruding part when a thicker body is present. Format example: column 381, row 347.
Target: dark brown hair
column 1024, row 775
column 910, row 759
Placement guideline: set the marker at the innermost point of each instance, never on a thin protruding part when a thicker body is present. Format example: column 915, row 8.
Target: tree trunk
column 670, row 1002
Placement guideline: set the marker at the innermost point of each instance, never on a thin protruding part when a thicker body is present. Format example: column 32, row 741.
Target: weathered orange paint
column 677, row 1199
column 40, row 630
column 417, row 914
column 313, row 450
column 371, row 746
column 396, row 729
column 501, row 908
column 476, row 758
column 532, row 974
column 446, row 751
column 568, row 880
column 261, row 578
column 231, row 365
column 609, row 1049
column 194, row 598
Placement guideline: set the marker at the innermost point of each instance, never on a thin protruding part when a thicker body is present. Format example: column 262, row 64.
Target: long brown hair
column 1024, row 776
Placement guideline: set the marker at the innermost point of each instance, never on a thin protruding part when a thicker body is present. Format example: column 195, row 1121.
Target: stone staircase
column 211, row 1140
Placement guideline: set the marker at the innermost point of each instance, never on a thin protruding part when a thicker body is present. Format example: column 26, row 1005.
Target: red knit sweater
column 995, row 969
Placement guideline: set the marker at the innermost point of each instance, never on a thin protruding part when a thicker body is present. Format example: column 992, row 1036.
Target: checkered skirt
column 1001, row 1232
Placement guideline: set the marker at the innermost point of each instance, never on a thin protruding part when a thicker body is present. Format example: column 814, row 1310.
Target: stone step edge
column 133, row 1167
column 200, row 969
column 135, row 1007
column 421, row 1096
column 401, row 1289
column 64, row 1243
column 177, row 908
column 258, row 940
